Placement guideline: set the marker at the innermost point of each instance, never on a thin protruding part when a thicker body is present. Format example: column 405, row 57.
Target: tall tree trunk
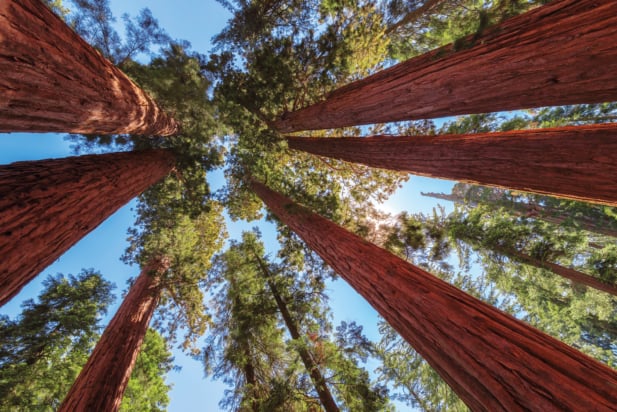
column 102, row 381
column 571, row 274
column 491, row 360
column 573, row 162
column 47, row 206
column 321, row 386
column 51, row 80
column 561, row 53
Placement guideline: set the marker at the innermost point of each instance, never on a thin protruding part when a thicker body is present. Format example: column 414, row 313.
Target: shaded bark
column 577, row 163
column 47, row 206
column 51, row 80
column 321, row 386
column 102, row 381
column 491, row 360
column 562, row 53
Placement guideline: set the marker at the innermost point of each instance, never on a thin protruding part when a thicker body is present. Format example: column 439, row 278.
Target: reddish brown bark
column 493, row 361
column 51, row 80
column 321, row 386
column 573, row 162
column 102, row 381
column 561, row 53
column 47, row 206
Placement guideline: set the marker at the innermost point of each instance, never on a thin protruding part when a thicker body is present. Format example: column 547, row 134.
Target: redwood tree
column 562, row 53
column 493, row 361
column 47, row 206
column 573, row 162
column 53, row 81
column 102, row 381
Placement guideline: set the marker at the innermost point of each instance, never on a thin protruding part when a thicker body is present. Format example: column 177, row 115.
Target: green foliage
column 189, row 242
column 43, row 350
column 248, row 349
column 457, row 22
column 57, row 7
column 147, row 390
column 95, row 23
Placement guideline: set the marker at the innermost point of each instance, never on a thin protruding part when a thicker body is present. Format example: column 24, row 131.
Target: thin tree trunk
column 562, row 53
column 413, row 15
column 249, row 375
column 551, row 215
column 249, row 369
column 51, row 80
column 102, row 381
column 321, row 386
column 571, row 274
column 577, row 163
column 47, row 206
column 491, row 360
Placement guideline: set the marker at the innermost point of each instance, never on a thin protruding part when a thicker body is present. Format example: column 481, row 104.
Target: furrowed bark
column 577, row 163
column 102, row 381
column 47, row 206
column 492, row 361
column 51, row 80
column 562, row 53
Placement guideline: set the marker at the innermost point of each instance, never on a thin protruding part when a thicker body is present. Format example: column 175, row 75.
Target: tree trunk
column 47, row 206
column 561, row 53
column 571, row 274
column 51, row 80
column 102, row 381
column 577, row 163
column 555, row 216
column 321, row 386
column 491, row 360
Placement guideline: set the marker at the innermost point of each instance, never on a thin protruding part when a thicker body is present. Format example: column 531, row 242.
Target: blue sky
column 196, row 21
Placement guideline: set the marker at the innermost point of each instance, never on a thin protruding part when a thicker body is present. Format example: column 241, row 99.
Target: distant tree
column 592, row 218
column 260, row 295
column 147, row 390
column 532, row 243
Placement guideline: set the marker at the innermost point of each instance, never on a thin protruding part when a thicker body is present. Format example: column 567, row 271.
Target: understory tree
column 274, row 343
